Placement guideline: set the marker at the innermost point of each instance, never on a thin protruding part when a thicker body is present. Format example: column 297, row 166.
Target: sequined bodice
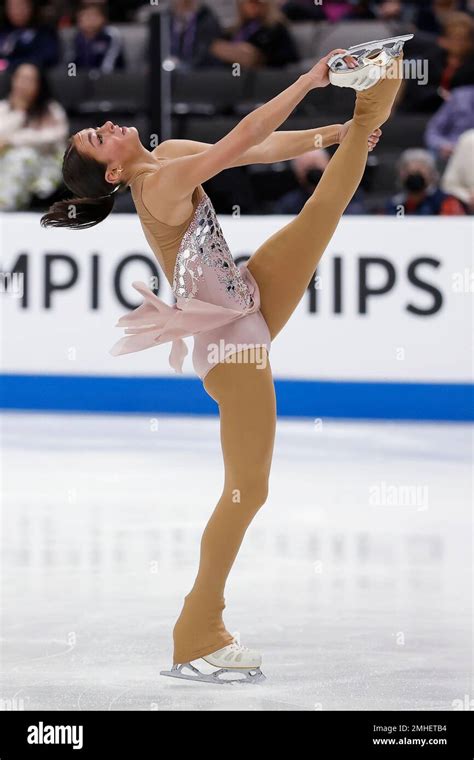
column 204, row 257
column 217, row 301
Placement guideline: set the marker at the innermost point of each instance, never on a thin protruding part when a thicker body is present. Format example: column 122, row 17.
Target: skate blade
column 372, row 66
column 386, row 50
column 246, row 675
column 374, row 44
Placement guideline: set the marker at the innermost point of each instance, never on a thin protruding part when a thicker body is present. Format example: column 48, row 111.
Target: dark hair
column 95, row 197
column 96, row 5
column 39, row 107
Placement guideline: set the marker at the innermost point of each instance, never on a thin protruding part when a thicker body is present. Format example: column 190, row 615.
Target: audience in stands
column 421, row 194
column 303, row 10
column 308, row 170
column 457, row 52
column 63, row 12
column 447, row 61
column 96, row 44
column 23, row 38
column 431, row 16
column 33, row 132
column 458, row 178
column 33, row 127
column 448, row 124
column 260, row 37
column 357, row 10
column 194, row 27
column 390, row 10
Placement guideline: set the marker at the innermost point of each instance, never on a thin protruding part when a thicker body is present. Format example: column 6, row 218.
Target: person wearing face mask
column 421, row 194
column 308, row 170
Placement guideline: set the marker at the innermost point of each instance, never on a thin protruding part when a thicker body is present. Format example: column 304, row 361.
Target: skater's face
column 110, row 144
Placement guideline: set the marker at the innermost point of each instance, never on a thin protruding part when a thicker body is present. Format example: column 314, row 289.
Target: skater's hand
column 373, row 138
column 319, row 74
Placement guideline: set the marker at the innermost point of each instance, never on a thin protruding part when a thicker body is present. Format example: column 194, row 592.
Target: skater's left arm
column 283, row 146
column 279, row 146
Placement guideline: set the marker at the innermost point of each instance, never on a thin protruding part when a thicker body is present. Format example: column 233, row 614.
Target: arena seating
column 206, row 104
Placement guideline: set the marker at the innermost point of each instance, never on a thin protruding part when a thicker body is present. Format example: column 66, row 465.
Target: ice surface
column 354, row 580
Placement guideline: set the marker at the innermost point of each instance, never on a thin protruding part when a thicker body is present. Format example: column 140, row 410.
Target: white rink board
column 388, row 342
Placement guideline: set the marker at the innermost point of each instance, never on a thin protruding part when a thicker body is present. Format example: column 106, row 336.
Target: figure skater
column 233, row 312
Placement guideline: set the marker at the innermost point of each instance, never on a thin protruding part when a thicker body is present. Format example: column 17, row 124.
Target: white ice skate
column 373, row 58
column 234, row 663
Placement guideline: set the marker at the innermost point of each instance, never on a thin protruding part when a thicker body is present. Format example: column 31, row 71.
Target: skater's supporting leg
column 284, row 265
column 245, row 394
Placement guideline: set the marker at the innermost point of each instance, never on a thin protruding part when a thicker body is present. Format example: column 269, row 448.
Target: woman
column 237, row 310
column 457, row 43
column 33, row 132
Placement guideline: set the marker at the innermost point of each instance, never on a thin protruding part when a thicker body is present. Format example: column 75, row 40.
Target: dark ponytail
column 95, row 196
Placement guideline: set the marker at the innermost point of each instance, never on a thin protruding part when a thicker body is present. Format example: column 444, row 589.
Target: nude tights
column 283, row 268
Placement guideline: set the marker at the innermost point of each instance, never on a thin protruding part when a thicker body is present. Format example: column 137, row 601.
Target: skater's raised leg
column 284, row 265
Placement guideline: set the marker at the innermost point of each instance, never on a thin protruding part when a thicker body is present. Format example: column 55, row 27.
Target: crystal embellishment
column 203, row 244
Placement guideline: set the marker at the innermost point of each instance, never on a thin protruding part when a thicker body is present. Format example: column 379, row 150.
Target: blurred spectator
column 432, row 15
column 260, row 37
column 97, row 45
column 457, row 43
column 308, row 170
column 24, row 39
column 124, row 10
column 421, row 195
column 194, row 27
column 33, row 131
column 449, row 123
column 62, row 12
column 303, row 10
column 390, row 10
column 362, row 11
column 458, row 178
column 308, row 10
column 448, row 61
column 355, row 10
column 336, row 11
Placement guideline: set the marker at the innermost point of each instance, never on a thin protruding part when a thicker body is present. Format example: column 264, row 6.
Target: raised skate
column 373, row 59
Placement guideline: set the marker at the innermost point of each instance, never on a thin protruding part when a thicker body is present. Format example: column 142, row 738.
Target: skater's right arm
column 177, row 179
